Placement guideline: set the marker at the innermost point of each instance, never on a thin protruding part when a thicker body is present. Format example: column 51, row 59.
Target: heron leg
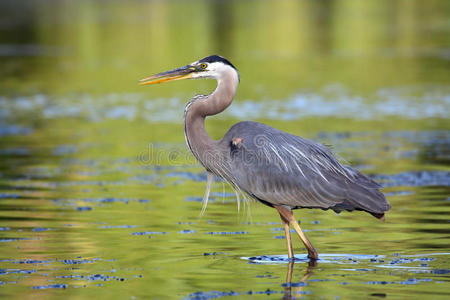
column 289, row 216
column 287, row 232
column 312, row 253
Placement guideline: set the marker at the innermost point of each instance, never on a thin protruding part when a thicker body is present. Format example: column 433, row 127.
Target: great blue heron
column 279, row 169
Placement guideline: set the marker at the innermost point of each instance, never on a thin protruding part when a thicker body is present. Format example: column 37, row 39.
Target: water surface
column 99, row 196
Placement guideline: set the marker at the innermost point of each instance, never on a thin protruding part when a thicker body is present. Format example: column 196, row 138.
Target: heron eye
column 203, row 66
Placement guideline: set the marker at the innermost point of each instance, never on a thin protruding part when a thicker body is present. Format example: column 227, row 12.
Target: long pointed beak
column 176, row 74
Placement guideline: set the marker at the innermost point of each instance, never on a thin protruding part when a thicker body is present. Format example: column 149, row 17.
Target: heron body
column 279, row 169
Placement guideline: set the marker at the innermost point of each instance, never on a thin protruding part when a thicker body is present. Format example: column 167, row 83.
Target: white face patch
column 214, row 70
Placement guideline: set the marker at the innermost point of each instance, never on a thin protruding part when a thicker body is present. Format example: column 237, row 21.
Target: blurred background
column 93, row 167
column 281, row 48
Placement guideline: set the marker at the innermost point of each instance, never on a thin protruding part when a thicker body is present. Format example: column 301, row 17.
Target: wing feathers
column 280, row 168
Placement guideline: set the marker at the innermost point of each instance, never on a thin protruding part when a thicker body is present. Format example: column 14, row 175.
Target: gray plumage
column 276, row 167
column 279, row 169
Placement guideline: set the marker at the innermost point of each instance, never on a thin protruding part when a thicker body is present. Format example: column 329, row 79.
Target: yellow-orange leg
column 287, row 233
column 312, row 253
column 289, row 217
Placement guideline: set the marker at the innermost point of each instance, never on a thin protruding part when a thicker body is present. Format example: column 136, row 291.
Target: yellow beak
column 176, row 74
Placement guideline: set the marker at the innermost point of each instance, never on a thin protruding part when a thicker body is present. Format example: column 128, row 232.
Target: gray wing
column 283, row 169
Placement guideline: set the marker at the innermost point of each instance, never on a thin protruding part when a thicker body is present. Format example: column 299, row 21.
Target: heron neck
column 199, row 142
column 221, row 97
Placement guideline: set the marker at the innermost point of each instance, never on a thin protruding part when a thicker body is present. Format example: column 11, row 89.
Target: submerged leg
column 289, row 216
column 287, row 232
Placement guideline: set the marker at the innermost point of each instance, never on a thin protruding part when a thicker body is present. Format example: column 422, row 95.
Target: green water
column 99, row 196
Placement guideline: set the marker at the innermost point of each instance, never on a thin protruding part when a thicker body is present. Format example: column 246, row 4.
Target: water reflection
column 298, row 285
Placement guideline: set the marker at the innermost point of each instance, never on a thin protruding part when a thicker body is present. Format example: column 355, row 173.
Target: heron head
column 213, row 66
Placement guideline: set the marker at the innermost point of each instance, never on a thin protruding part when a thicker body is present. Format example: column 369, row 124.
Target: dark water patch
column 434, row 230
column 65, row 150
column 16, row 271
column 99, row 201
column 115, row 200
column 211, row 295
column 193, row 199
column 273, row 259
column 145, row 179
column 277, row 230
column 95, row 277
column 326, row 135
column 199, row 177
column 55, row 184
column 15, row 151
column 226, row 232
column 320, row 280
column 79, row 261
column 27, row 261
column 40, row 229
column 431, row 245
column 213, row 253
column 407, row 282
column 75, row 277
column 50, row 286
column 269, row 292
column 9, row 196
column 383, row 282
column 430, row 220
column 294, row 284
column 432, row 146
column 268, row 275
column 410, row 281
column 223, row 195
column 187, row 231
column 107, row 200
column 148, row 233
column 10, row 129
column 323, row 258
column 415, row 178
column 433, row 137
column 440, row 271
column 6, row 240
column 211, row 199
column 439, row 139
column 84, row 208
column 20, row 273
column 117, row 227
